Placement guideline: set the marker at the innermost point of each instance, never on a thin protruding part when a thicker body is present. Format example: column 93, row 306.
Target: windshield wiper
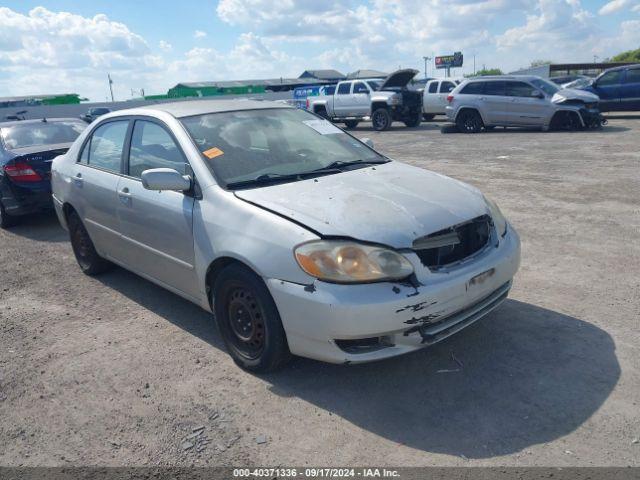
column 267, row 178
column 339, row 164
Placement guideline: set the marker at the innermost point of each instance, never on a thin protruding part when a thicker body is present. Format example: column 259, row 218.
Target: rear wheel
column 381, row 119
column 90, row 262
column 323, row 113
column 351, row 124
column 469, row 121
column 6, row 220
column 248, row 320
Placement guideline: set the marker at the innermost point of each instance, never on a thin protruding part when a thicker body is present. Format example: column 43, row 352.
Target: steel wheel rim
column 246, row 322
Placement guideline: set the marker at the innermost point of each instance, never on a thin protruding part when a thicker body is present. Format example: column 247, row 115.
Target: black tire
column 351, row 124
column 469, row 121
column 381, row 119
column 6, row 220
column 428, row 116
column 413, row 121
column 90, row 262
column 565, row 121
column 249, row 321
column 449, row 128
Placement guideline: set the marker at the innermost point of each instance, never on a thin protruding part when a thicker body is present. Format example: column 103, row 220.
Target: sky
column 70, row 46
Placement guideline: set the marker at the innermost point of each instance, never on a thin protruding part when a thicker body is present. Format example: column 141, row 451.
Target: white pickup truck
column 382, row 101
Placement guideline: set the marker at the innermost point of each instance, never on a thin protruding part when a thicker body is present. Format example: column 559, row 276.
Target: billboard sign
column 449, row 61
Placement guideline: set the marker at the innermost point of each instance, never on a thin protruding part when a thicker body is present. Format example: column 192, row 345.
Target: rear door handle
column 78, row 179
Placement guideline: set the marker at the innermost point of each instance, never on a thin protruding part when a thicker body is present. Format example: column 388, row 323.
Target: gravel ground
column 116, row 371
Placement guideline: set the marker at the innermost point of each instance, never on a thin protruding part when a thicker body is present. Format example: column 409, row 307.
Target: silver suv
column 520, row 101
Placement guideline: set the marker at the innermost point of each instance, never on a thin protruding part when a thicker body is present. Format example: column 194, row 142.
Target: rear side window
column 153, row 147
column 446, row 87
column 520, row 89
column 633, row 76
column 494, row 88
column 433, row 87
column 105, row 146
column 473, row 88
column 610, row 78
column 344, row 88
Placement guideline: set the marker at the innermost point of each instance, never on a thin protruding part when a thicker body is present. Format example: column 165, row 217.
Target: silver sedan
column 300, row 238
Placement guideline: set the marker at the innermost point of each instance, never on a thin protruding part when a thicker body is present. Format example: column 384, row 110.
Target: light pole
column 426, row 59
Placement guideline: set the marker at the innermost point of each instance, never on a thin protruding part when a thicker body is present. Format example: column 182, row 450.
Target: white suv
column 434, row 98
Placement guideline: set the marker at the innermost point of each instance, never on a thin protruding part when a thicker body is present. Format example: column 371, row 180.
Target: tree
column 628, row 56
column 486, row 71
column 539, row 63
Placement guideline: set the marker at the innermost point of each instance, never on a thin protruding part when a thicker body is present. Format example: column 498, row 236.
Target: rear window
column 473, row 88
column 446, row 87
column 41, row 133
column 494, row 88
column 433, row 87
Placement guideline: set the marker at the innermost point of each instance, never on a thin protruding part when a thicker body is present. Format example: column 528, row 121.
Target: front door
column 607, row 87
column 157, row 227
column 525, row 107
column 361, row 99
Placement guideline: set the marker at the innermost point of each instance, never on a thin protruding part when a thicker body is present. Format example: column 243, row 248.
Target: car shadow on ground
column 42, row 227
column 522, row 376
column 396, row 126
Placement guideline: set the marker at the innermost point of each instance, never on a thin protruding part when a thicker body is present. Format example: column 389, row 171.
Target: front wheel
column 90, row 262
column 249, row 321
column 381, row 119
column 469, row 121
column 351, row 124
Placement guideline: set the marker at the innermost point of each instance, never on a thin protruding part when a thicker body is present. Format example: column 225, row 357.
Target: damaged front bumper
column 362, row 323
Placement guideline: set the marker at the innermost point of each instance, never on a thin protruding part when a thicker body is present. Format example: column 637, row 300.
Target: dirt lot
column 116, row 371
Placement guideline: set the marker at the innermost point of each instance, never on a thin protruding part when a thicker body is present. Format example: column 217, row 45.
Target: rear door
column 157, row 227
column 608, row 89
column 525, row 108
column 630, row 90
column 494, row 102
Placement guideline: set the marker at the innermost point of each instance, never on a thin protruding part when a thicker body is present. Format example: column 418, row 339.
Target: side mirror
column 368, row 142
column 538, row 94
column 165, row 179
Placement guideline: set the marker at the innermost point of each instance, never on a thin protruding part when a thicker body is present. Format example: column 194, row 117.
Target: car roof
column 189, row 108
column 11, row 123
column 504, row 77
column 623, row 67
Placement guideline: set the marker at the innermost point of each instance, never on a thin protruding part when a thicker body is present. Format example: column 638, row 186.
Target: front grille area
column 453, row 244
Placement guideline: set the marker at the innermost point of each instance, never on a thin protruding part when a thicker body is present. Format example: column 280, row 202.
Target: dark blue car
column 618, row 89
column 27, row 148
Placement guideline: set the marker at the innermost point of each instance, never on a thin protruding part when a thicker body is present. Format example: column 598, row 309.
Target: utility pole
column 426, row 59
column 474, row 64
column 110, row 85
column 595, row 58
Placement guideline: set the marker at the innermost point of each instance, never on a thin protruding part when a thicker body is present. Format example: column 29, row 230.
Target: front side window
column 249, row 145
column 433, row 87
column 633, row 76
column 153, row 147
column 520, row 89
column 344, row 88
column 105, row 146
column 610, row 78
column 360, row 87
column 41, row 133
column 447, row 87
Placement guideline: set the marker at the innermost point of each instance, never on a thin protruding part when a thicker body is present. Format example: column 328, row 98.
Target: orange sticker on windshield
column 213, row 152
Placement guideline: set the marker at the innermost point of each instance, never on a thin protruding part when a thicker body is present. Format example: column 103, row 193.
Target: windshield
column 41, row 133
column 242, row 146
column 547, row 87
column 374, row 84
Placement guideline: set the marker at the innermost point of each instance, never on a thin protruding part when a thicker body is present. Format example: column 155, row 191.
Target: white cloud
column 613, row 6
column 165, row 46
column 199, row 34
column 636, row 8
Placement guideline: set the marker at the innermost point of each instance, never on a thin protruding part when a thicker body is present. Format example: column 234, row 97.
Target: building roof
column 35, row 97
column 201, row 107
column 322, row 74
column 268, row 82
column 366, row 73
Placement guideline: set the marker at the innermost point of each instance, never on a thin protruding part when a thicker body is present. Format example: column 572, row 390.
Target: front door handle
column 78, row 179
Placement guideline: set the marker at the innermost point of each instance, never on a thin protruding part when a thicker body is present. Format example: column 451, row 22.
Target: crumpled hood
column 574, row 94
column 392, row 204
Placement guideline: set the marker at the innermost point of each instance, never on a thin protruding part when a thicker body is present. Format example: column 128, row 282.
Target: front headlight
column 350, row 262
column 395, row 99
column 498, row 218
